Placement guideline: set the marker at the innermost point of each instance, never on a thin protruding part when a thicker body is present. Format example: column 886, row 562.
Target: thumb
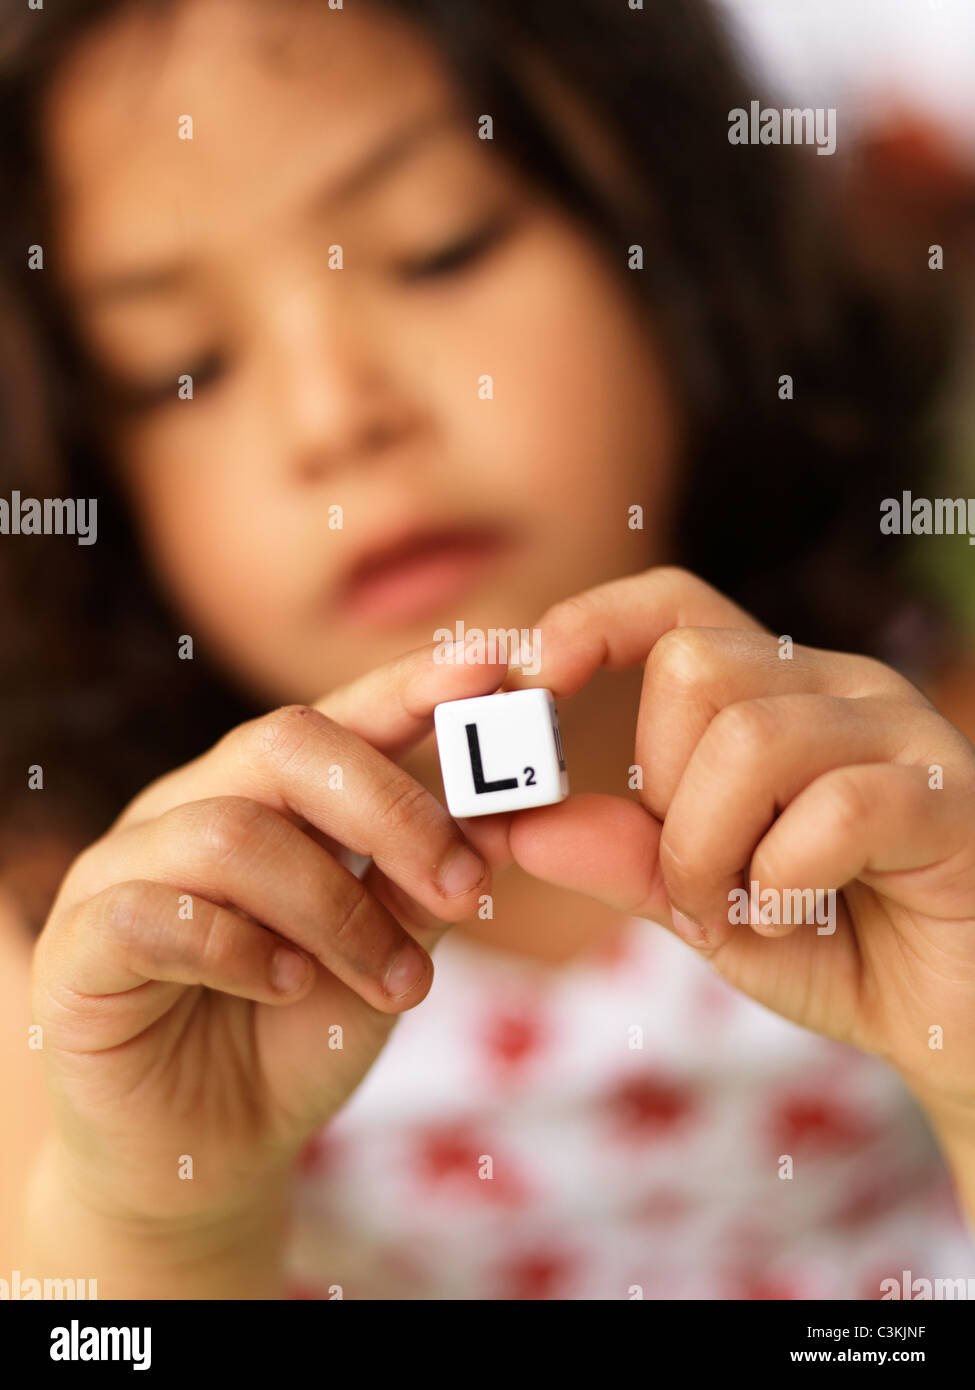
column 601, row 846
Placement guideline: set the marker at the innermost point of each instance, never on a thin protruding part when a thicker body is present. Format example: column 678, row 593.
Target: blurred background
column 901, row 75
column 864, row 55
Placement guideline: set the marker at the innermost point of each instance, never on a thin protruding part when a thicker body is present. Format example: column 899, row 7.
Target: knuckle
column 746, row 728
column 210, row 945
column 667, row 583
column 848, row 803
column 137, row 929
column 225, row 826
column 349, row 914
column 675, row 577
column 682, row 657
column 403, row 801
column 282, row 737
column 569, row 612
column 124, row 908
column 883, row 679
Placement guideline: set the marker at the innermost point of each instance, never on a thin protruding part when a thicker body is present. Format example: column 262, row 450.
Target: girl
column 359, row 323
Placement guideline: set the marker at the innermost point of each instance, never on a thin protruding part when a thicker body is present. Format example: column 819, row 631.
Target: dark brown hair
column 746, row 276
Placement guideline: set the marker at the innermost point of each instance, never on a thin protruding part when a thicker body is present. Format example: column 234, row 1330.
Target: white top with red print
column 626, row 1126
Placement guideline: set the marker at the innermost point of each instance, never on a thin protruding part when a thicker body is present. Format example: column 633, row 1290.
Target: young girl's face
column 497, row 413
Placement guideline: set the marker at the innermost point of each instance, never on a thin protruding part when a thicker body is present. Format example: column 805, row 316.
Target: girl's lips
column 415, row 576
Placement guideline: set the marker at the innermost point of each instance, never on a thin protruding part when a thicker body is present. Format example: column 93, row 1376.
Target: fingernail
column 288, row 971
column 462, row 872
column 406, row 970
column 688, row 929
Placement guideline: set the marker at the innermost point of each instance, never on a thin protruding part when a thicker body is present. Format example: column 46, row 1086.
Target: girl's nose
column 336, row 399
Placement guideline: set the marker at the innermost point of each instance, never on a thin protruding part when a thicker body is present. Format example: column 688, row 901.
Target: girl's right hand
column 212, row 983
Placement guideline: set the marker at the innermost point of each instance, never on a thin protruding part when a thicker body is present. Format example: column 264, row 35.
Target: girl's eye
column 449, row 260
column 147, row 395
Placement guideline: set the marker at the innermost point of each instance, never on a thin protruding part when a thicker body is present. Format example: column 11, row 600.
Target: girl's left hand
column 816, row 772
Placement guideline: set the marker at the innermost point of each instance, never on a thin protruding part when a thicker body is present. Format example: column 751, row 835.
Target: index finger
column 616, row 625
column 389, row 708
column 392, row 707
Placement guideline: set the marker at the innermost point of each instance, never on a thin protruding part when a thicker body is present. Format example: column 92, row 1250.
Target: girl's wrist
column 64, row 1235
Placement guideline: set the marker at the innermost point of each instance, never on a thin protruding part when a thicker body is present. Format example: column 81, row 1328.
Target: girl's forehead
column 217, row 102
column 249, row 74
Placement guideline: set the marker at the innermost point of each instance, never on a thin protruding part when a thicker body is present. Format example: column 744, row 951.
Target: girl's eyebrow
column 378, row 162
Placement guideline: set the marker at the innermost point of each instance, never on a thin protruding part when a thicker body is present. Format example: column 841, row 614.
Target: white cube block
column 500, row 752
